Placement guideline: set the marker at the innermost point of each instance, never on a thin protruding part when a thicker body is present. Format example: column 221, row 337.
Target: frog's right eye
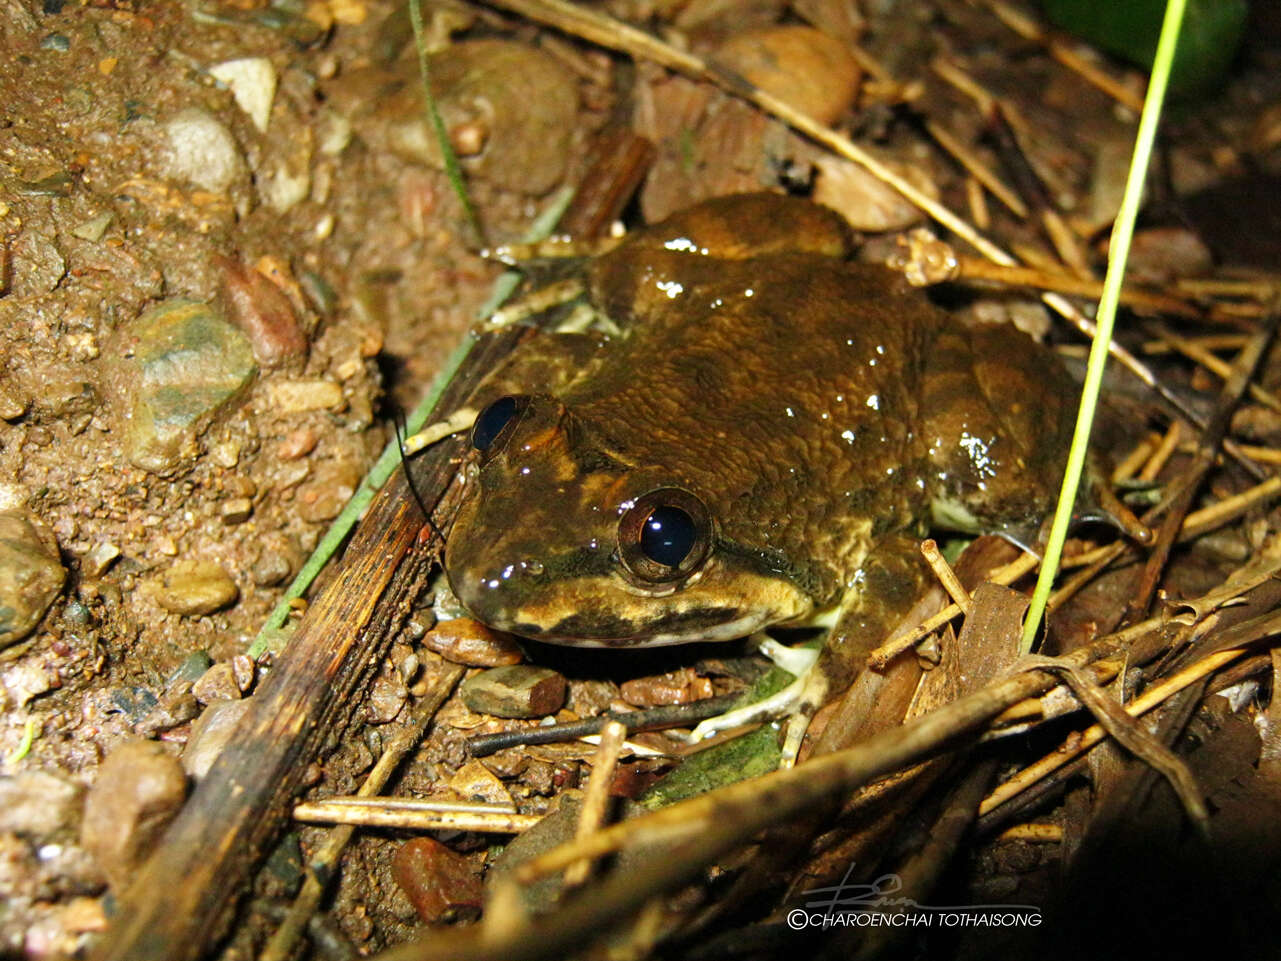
column 664, row 536
column 495, row 423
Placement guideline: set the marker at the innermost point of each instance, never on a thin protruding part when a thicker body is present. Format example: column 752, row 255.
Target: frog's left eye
column 495, row 422
column 665, row 535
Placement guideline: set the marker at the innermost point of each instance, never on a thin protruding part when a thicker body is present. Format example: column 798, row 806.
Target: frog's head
column 561, row 539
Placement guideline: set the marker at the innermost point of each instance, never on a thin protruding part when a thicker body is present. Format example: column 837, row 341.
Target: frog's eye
column 664, row 535
column 494, row 423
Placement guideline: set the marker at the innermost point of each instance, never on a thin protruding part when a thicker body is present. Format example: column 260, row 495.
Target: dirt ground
column 230, row 257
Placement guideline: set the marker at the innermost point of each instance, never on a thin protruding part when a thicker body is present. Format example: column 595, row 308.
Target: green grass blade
column 1122, row 233
column 452, row 170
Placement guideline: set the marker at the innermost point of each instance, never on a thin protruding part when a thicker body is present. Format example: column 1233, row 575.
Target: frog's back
column 785, row 390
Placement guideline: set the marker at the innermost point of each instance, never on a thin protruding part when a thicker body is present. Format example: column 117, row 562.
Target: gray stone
column 181, row 364
column 31, row 575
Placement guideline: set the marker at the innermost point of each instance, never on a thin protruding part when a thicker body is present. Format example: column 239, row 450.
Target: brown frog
column 763, row 445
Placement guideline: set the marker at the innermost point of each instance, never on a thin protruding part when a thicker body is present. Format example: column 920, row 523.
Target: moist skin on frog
column 806, row 415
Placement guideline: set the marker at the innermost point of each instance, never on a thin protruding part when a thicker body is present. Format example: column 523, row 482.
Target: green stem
column 1122, row 232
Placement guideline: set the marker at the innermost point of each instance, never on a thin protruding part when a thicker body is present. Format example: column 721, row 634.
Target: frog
column 762, row 444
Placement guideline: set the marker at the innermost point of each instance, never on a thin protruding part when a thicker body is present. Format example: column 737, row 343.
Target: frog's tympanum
column 763, row 445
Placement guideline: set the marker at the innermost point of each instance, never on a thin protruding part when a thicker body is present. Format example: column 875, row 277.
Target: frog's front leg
column 893, row 577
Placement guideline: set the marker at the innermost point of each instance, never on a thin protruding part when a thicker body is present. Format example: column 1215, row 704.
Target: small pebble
column 324, row 496
column 441, row 884
column 386, row 698
column 217, row 684
column 300, row 396
column 93, row 228
column 193, row 588
column 253, row 84
column 475, row 782
column 244, row 671
column 28, row 679
column 806, row 68
column 467, row 641
column 298, row 443
column 99, row 558
column 270, row 569
column 225, row 454
column 12, row 404
column 420, row 622
column 260, row 309
column 192, row 667
column 175, row 708
column 675, row 687
column 139, row 790
column 31, row 575
column 56, row 41
column 37, row 804
column 202, row 151
column 516, row 691
column 210, row 734
column 180, row 363
column 235, row 511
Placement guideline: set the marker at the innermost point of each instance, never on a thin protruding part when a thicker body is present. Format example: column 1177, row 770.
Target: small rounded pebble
column 99, row 558
column 31, row 575
column 297, row 443
column 178, row 365
column 193, row 588
column 441, row 884
column 202, row 151
column 217, row 684
column 467, row 641
column 804, row 67
column 386, row 698
column 210, row 734
column 675, row 687
column 270, row 569
column 517, row 691
column 327, row 493
column 139, row 790
column 260, row 309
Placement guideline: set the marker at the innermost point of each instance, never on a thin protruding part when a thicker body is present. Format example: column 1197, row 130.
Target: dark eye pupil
column 668, row 535
column 491, row 421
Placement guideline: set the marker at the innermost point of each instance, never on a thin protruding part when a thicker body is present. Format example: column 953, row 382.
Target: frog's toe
column 795, row 660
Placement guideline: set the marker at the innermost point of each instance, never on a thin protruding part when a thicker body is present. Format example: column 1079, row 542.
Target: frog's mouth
column 702, row 624
column 604, row 610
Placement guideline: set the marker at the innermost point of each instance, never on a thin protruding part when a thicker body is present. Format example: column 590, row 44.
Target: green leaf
column 1212, row 32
